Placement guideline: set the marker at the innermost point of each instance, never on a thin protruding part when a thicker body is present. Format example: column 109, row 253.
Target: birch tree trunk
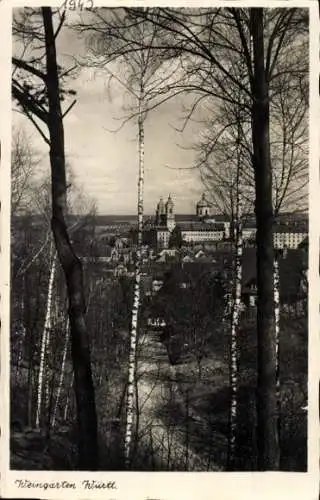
column 276, row 285
column 233, row 410
column 63, row 364
column 136, row 297
column 45, row 342
column 49, row 372
column 234, row 334
column 30, row 351
column 22, row 332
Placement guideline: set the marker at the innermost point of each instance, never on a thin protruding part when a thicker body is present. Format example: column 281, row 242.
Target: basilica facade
column 200, row 227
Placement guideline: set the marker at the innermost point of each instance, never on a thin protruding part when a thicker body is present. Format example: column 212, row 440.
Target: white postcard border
column 161, row 485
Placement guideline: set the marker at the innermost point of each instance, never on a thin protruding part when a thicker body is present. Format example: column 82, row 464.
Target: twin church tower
column 165, row 216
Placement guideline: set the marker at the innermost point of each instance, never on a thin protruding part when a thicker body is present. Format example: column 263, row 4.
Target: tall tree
column 203, row 38
column 287, row 143
column 143, row 79
column 36, row 86
column 268, row 439
column 236, row 306
column 137, row 288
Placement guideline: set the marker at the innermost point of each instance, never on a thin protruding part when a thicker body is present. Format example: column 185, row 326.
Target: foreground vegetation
column 194, row 349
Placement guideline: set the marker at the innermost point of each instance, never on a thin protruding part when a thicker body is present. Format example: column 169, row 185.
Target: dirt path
column 161, row 430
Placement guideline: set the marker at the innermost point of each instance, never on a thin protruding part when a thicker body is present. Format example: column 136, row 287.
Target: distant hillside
column 106, row 220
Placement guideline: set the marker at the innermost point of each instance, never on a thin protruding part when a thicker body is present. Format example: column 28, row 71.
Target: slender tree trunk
column 234, row 328
column 30, row 348
column 135, row 444
column 276, row 285
column 267, row 435
column 49, row 375
column 21, row 344
column 136, row 297
column 63, row 364
column 84, row 389
column 49, row 404
column 45, row 343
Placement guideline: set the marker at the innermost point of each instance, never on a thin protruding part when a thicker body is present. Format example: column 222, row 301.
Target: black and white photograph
column 159, row 238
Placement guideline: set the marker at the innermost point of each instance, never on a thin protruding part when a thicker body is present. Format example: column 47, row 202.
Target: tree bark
column 22, row 340
column 136, row 297
column 84, row 389
column 45, row 342
column 276, row 278
column 234, row 337
column 267, row 435
column 63, row 364
column 30, row 346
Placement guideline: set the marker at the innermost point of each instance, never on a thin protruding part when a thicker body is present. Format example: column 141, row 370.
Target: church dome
column 202, row 203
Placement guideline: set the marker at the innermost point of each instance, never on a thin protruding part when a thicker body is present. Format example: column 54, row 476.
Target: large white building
column 288, row 237
column 283, row 237
column 207, row 227
column 202, row 231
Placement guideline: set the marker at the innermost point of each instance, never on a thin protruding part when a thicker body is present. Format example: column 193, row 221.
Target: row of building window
column 294, row 238
column 290, row 236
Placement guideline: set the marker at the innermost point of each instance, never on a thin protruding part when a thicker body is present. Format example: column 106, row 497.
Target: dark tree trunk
column 267, row 435
column 84, row 390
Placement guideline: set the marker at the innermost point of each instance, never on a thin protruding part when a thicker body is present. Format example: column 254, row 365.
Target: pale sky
column 104, row 163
